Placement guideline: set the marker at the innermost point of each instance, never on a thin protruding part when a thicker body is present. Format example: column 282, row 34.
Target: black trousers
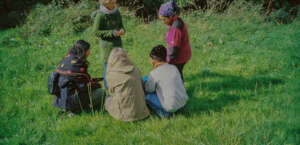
column 180, row 68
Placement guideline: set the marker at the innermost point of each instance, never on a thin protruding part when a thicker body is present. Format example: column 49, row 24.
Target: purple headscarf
column 168, row 9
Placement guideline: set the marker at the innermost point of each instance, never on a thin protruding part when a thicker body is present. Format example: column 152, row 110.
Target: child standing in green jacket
column 108, row 28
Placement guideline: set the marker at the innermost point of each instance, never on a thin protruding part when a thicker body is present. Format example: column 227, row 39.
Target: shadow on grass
column 209, row 91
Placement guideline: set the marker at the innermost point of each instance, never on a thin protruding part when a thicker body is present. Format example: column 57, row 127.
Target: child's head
column 117, row 53
column 110, row 4
column 158, row 54
column 81, row 49
column 167, row 11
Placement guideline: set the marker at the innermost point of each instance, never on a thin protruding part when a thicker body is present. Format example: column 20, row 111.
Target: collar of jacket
column 104, row 10
column 174, row 18
column 121, row 65
column 72, row 64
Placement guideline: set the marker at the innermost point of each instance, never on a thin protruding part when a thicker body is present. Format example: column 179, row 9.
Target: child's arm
column 103, row 34
column 150, row 85
column 122, row 26
column 174, row 44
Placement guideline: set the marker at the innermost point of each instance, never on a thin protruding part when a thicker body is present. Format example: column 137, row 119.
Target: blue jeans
column 104, row 76
column 154, row 103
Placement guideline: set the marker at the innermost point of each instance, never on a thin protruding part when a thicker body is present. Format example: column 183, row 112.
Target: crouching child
column 165, row 92
column 76, row 90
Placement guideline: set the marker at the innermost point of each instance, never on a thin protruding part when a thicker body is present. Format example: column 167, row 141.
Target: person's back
column 126, row 101
column 165, row 92
column 74, row 81
column 170, row 89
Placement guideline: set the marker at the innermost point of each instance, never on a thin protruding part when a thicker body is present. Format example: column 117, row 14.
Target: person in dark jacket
column 77, row 90
column 108, row 28
column 177, row 37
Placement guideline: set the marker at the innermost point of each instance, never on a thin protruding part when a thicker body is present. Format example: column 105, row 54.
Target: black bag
column 53, row 84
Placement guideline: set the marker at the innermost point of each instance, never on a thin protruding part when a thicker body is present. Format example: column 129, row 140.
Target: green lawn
column 243, row 82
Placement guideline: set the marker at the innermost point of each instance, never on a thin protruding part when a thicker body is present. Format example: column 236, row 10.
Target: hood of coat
column 122, row 65
column 118, row 61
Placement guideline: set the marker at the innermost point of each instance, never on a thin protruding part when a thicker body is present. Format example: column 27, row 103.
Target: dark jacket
column 105, row 28
column 179, row 49
column 74, row 84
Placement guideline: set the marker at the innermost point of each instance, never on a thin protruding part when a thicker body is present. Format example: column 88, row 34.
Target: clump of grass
column 53, row 18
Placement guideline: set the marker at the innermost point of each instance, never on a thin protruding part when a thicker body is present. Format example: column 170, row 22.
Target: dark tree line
column 284, row 10
column 12, row 12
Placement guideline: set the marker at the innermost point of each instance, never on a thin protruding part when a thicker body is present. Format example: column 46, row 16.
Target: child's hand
column 97, row 79
column 121, row 32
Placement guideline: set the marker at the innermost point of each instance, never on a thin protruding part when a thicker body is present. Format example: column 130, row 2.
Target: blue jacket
column 74, row 84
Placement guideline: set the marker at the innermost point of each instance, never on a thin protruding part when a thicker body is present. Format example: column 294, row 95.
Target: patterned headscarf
column 168, row 9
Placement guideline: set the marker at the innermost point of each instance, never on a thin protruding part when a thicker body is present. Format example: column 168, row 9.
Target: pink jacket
column 177, row 38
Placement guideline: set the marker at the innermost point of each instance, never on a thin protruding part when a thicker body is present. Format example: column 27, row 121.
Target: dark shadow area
column 13, row 12
column 222, row 90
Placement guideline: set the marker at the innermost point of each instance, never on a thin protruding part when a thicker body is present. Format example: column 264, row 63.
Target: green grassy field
column 243, row 82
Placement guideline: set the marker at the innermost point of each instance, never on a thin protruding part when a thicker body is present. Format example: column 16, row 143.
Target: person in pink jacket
column 177, row 37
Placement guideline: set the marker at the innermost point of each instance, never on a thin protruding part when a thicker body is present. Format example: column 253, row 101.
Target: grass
column 243, row 81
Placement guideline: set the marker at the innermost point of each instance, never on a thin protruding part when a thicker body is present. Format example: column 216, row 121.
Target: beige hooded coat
column 126, row 101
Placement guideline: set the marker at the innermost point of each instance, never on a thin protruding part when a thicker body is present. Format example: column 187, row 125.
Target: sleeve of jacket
column 121, row 22
column 175, row 43
column 99, row 31
column 150, row 85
